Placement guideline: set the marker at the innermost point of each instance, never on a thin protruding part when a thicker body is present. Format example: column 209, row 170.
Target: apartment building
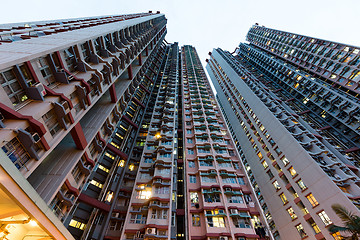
column 73, row 94
column 109, row 132
column 220, row 201
column 291, row 102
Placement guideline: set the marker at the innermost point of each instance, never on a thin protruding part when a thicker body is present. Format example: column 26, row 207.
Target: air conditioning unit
column 151, row 231
column 41, row 88
column 223, row 238
column 36, row 137
column 234, row 211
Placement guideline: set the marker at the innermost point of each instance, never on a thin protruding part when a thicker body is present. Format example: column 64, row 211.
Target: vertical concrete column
column 113, row 95
column 78, row 136
column 130, row 72
column 140, row 59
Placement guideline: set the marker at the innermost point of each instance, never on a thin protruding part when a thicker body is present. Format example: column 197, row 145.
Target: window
column 190, row 151
column 208, row 179
column 276, row 185
column 12, row 87
column 284, row 160
column 188, row 123
column 188, row 131
column 236, row 199
column 277, row 150
column 159, row 214
column 314, row 226
column 191, row 164
column 216, row 221
column 121, row 163
column 324, row 217
column 189, row 140
column 210, row 198
column 291, row 213
column 283, row 198
column 77, row 224
column 301, row 231
column 143, row 194
column 51, row 122
column 196, row 220
column 162, row 190
column 96, row 183
column 194, row 198
column 265, row 165
column 312, row 200
column 301, row 184
column 16, row 152
column 337, row 236
column 241, row 180
column 137, row 219
column 292, row 171
column 260, row 155
column 270, row 174
column 45, row 71
column 109, row 196
column 192, row 178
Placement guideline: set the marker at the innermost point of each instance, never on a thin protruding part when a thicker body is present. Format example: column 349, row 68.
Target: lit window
column 283, row 198
column 216, row 221
column 121, row 163
column 194, row 198
column 337, row 236
column 77, row 224
column 301, row 184
column 276, row 185
column 312, row 200
column 196, row 220
column 103, row 168
column 260, row 155
column 324, row 217
column 143, row 194
column 96, row 183
column 314, row 226
column 284, row 160
column 291, row 213
column 292, row 171
column 301, row 231
column 131, row 167
column 265, row 165
column 109, row 196
column 109, row 156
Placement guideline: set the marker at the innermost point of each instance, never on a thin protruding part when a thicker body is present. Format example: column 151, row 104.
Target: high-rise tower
column 110, row 132
column 292, row 105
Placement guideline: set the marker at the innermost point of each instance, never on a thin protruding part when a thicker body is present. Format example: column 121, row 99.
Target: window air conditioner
column 41, row 88
column 234, row 211
column 151, row 231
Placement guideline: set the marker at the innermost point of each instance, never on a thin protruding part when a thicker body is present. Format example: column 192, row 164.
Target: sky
column 208, row 24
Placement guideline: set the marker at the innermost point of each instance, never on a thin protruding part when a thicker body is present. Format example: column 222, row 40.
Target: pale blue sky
column 208, row 24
